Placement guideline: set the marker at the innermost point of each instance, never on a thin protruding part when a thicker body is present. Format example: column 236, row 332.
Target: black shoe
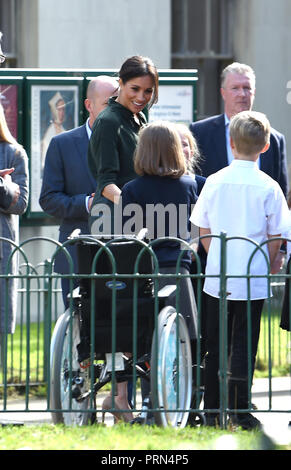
column 246, row 421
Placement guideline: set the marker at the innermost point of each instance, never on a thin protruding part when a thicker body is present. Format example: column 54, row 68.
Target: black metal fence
column 26, row 365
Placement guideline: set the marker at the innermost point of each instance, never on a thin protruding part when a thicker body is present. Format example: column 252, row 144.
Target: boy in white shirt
column 241, row 201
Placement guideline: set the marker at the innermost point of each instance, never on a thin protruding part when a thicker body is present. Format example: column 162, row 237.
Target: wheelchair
column 117, row 309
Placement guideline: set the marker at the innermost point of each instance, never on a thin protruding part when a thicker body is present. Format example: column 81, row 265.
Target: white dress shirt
column 89, row 133
column 242, row 201
column 88, row 129
column 230, row 156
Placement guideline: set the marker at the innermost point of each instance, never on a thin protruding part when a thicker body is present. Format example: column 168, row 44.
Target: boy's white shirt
column 242, row 201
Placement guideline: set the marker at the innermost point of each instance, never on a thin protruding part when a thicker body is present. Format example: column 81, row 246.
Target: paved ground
column 275, row 423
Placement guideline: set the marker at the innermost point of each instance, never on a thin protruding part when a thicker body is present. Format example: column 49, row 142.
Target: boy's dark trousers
column 237, row 351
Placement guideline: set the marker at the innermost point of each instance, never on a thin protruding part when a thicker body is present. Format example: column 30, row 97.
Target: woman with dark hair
column 114, row 138
column 110, row 159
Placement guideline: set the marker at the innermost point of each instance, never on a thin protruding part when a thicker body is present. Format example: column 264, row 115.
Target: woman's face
column 136, row 93
column 185, row 146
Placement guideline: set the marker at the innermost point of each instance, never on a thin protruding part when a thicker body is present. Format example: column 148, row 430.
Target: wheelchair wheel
column 171, row 380
column 63, row 383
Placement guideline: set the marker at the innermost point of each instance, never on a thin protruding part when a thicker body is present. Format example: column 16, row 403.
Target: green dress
column 110, row 159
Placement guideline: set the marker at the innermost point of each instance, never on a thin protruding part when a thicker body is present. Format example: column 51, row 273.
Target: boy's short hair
column 250, row 132
column 159, row 151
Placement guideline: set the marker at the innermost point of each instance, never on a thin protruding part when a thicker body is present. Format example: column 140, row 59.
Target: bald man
column 68, row 185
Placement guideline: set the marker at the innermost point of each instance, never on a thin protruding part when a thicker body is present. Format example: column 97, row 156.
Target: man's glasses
column 2, row 58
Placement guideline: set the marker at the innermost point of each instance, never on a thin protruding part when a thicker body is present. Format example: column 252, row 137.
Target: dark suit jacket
column 66, row 183
column 210, row 137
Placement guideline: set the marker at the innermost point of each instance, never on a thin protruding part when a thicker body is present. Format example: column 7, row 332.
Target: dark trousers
column 237, row 351
column 198, row 291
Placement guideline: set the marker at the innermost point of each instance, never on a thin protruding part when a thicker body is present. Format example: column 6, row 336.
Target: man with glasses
column 238, row 87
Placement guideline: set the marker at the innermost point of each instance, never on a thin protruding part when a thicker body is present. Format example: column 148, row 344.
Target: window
column 201, row 32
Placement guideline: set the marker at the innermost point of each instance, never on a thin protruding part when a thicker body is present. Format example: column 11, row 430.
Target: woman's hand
column 112, row 192
column 6, row 171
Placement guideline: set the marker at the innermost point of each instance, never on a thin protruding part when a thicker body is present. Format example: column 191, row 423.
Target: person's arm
column 205, row 241
column 6, row 171
column 273, row 249
column 19, row 180
column 54, row 198
column 103, row 157
column 112, row 192
column 9, row 193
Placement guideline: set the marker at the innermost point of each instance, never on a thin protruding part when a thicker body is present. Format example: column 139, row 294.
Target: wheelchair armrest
column 75, row 294
column 142, row 234
column 166, row 291
column 75, row 233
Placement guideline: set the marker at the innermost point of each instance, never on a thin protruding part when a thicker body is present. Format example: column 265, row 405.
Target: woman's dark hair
column 138, row 66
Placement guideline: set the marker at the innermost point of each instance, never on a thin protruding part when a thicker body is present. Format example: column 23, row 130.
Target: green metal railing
column 26, row 353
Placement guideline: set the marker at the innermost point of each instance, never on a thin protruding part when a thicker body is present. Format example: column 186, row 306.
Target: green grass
column 18, row 352
column 125, row 437
column 26, row 348
column 122, row 437
column 275, row 344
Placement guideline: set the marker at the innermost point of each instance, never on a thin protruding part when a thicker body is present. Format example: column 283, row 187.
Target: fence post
column 223, row 366
column 47, row 319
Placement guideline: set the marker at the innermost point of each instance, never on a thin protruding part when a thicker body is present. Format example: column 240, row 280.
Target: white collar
column 88, row 129
column 245, row 163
